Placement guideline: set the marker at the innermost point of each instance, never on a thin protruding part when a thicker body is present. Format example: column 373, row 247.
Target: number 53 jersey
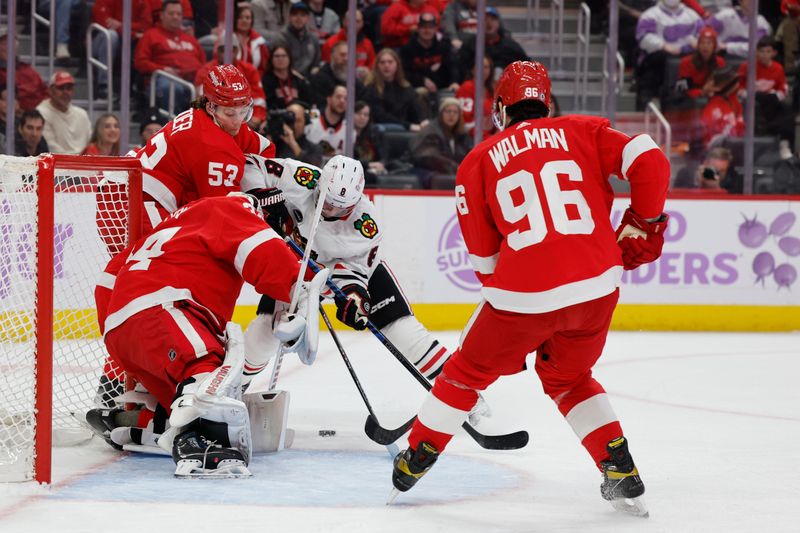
column 534, row 205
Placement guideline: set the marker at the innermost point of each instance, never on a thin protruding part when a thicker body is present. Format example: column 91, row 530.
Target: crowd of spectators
column 415, row 79
column 690, row 57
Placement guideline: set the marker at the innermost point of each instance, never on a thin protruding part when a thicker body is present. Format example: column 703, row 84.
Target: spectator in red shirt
column 105, row 137
column 773, row 113
column 695, row 70
column 466, row 98
column 401, row 19
column 167, row 47
column 723, row 115
column 29, row 88
column 365, row 51
column 108, row 13
column 249, row 72
column 253, row 46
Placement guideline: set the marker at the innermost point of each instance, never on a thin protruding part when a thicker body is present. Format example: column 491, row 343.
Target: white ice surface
column 712, row 420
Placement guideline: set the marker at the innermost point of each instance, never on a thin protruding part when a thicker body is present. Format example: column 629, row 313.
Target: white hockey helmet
column 345, row 186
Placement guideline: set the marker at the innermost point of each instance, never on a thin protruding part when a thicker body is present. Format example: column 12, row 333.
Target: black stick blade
column 508, row 441
column 382, row 435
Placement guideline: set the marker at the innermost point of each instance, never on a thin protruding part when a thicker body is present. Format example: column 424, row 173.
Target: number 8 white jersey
column 349, row 246
column 534, row 206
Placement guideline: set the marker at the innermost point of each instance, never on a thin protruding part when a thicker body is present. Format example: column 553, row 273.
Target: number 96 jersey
column 534, row 205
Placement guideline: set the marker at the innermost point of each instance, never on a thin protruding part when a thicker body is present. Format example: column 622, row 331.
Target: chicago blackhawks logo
column 306, row 177
column 367, row 226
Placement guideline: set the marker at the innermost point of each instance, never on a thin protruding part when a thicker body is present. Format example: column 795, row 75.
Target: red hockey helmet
column 521, row 80
column 226, row 86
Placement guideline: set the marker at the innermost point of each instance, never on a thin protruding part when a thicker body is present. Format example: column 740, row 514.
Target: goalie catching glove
column 640, row 240
column 299, row 331
column 354, row 310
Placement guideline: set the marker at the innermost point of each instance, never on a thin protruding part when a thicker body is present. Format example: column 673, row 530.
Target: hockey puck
column 327, row 432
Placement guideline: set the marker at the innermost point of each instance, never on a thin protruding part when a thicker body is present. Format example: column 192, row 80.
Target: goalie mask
column 345, row 186
column 521, row 80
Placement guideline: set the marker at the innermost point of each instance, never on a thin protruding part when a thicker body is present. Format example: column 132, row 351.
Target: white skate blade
column 229, row 468
column 631, row 506
column 392, row 496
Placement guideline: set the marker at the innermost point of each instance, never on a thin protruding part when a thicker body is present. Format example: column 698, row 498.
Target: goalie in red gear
column 534, row 207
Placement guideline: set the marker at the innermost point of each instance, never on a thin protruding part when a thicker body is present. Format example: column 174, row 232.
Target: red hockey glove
column 354, row 311
column 640, row 241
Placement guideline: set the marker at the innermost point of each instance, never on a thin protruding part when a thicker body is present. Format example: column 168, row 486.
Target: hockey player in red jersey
column 201, row 151
column 168, row 324
column 534, row 206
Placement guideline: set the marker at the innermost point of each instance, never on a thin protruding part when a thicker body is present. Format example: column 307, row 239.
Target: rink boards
column 728, row 264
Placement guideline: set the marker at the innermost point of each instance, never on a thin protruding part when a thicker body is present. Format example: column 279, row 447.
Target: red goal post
column 61, row 219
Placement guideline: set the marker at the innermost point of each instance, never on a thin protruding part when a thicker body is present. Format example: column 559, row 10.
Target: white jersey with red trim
column 534, row 205
column 349, row 246
column 191, row 157
column 203, row 253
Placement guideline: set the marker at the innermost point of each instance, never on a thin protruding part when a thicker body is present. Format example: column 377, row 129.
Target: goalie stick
column 322, row 187
column 390, row 446
column 508, row 441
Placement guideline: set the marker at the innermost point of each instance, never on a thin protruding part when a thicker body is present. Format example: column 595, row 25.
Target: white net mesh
column 90, row 224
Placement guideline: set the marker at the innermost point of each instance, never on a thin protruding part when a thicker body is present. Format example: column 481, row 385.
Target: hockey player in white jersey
column 348, row 242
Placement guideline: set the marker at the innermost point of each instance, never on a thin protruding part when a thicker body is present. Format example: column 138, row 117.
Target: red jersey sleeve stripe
column 106, row 280
column 249, row 244
column 159, row 192
column 484, row 265
column 636, row 147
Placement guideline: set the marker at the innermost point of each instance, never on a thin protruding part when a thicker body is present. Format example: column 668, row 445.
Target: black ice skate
column 103, row 421
column 622, row 485
column 108, row 389
column 410, row 465
column 199, row 457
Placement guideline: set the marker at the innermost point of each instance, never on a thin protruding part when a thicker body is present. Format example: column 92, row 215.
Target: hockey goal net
column 61, row 219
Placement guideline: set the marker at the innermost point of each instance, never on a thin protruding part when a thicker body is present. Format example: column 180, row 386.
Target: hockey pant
column 164, row 345
column 391, row 314
column 111, row 218
column 495, row 343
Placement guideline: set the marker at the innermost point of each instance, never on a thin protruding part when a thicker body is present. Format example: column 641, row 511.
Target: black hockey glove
column 354, row 311
column 273, row 205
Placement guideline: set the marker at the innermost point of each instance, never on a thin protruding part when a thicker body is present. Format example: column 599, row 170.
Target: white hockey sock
column 259, row 346
column 418, row 345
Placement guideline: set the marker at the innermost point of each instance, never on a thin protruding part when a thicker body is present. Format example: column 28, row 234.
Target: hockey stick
column 509, row 441
column 322, row 187
column 390, row 446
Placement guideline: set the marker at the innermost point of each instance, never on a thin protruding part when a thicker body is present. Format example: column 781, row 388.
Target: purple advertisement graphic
column 766, row 252
column 17, row 253
column 768, row 268
column 453, row 259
